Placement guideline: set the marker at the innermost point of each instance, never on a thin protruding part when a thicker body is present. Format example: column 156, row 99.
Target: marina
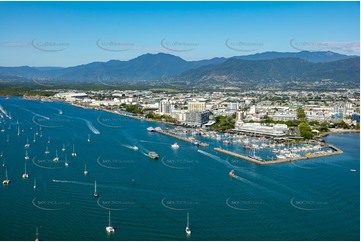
column 335, row 151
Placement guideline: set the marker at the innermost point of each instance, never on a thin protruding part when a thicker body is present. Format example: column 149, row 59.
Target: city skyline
column 74, row 33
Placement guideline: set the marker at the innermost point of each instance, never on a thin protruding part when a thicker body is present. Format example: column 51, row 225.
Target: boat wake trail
column 219, row 159
column 36, row 114
column 88, row 123
column 74, row 182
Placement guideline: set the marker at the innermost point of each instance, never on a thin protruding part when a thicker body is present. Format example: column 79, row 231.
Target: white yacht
column 135, row 147
column 6, row 181
column 56, row 159
column 46, row 150
column 25, row 175
column 95, row 189
column 188, row 230
column 63, row 149
column 88, row 138
column 34, row 183
column 27, row 145
column 85, row 171
column 26, row 155
column 175, row 146
column 109, row 228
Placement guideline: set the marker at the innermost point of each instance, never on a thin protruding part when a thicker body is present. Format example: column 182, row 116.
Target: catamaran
column 74, row 153
column 25, row 175
column 109, row 228
column 188, row 230
column 95, row 189
column 6, row 181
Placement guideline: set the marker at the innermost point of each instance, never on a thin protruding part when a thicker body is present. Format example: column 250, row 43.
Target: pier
column 193, row 141
column 335, row 150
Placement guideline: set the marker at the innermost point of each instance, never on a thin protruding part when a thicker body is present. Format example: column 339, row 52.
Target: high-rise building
column 164, row 107
column 196, row 106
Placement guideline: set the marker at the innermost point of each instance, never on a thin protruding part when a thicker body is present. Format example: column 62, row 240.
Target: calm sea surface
column 317, row 199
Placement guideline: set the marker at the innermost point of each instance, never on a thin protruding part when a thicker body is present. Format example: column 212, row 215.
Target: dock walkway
column 336, row 151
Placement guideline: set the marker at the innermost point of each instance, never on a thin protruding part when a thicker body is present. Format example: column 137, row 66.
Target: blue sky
column 74, row 33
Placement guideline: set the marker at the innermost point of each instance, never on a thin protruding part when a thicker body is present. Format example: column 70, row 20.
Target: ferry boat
column 153, row 155
column 175, row 146
column 231, row 173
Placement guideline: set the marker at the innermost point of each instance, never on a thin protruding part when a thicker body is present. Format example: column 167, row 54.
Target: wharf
column 193, row 141
column 336, row 151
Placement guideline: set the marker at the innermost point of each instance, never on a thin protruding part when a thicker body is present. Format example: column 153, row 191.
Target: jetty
column 189, row 140
column 335, row 151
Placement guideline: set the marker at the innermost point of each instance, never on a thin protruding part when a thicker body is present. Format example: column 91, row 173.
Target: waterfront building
column 257, row 128
column 197, row 118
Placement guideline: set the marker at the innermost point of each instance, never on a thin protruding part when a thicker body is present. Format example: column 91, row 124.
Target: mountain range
column 267, row 66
